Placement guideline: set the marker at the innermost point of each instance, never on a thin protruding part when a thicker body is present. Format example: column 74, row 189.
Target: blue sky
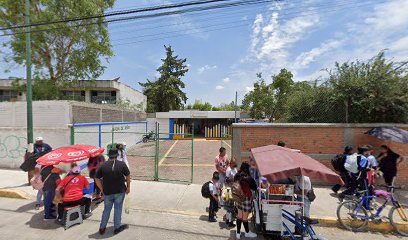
column 226, row 48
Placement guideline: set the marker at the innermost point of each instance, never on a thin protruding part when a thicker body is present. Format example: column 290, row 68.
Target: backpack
column 352, row 163
column 338, row 163
column 237, row 193
column 205, row 190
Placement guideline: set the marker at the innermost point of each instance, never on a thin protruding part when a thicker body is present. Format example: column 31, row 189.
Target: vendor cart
column 276, row 211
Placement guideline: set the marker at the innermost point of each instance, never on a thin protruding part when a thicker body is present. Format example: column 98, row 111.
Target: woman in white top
column 122, row 153
column 231, row 170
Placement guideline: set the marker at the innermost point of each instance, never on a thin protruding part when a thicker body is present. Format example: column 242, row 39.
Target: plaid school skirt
column 246, row 205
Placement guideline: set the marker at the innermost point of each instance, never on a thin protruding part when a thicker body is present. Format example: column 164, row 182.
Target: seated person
column 73, row 186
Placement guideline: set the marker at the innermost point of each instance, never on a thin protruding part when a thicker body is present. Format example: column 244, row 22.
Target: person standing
column 356, row 165
column 40, row 147
column 248, row 185
column 340, row 160
column 213, row 187
column 303, row 182
column 50, row 177
column 93, row 164
column 122, row 153
column 389, row 162
column 113, row 178
column 221, row 164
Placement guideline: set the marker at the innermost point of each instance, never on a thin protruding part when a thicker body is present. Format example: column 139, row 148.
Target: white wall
column 128, row 93
column 13, row 143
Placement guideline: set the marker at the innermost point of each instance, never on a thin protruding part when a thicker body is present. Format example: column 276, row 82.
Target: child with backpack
column 210, row 190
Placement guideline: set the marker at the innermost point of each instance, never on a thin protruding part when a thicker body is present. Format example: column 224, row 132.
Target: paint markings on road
column 227, row 144
column 167, row 153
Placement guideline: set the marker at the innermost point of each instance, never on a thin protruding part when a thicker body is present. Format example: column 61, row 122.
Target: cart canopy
column 276, row 163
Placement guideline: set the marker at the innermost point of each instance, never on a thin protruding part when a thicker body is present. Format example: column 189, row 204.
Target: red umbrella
column 276, row 163
column 69, row 154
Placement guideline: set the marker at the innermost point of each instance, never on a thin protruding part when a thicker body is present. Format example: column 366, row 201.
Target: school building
column 204, row 124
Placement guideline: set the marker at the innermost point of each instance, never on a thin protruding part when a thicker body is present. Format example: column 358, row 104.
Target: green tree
column 269, row 100
column 260, row 100
column 282, row 85
column 165, row 93
column 64, row 51
column 373, row 91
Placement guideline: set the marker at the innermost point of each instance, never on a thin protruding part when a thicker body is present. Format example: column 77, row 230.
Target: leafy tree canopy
column 63, row 51
column 165, row 93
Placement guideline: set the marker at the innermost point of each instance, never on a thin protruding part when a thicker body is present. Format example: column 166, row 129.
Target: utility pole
column 30, row 139
column 236, row 100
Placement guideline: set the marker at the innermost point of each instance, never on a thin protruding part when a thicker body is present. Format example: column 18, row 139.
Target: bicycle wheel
column 399, row 219
column 351, row 216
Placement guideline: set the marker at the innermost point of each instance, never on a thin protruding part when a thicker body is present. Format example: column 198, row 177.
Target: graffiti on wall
column 12, row 146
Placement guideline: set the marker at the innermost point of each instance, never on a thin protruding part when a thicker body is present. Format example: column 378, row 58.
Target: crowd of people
column 227, row 180
column 359, row 170
column 111, row 178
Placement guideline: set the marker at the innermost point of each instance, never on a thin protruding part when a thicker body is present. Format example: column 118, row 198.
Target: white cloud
column 272, row 40
column 248, row 89
column 206, row 68
column 305, row 58
column 219, row 87
column 226, row 80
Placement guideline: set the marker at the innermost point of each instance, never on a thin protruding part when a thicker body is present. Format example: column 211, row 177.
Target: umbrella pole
column 303, row 196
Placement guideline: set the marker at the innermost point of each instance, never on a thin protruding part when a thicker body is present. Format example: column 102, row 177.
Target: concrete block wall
column 52, row 120
column 320, row 141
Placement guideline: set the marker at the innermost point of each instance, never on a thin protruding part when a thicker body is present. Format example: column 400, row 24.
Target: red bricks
column 318, row 140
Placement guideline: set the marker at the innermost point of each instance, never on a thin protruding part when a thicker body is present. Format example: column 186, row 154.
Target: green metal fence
column 226, row 142
column 160, row 157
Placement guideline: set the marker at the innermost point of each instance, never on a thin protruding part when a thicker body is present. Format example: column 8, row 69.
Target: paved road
column 19, row 221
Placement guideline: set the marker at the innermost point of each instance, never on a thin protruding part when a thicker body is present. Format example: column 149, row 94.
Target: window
column 74, row 95
column 105, row 97
column 8, row 96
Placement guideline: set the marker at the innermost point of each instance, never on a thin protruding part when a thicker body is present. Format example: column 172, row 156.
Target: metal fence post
column 156, row 155
column 100, row 135
column 72, row 135
column 192, row 155
column 113, row 135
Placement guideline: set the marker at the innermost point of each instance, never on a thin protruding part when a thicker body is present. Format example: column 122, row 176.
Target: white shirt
column 307, row 183
column 122, row 156
column 231, row 172
column 213, row 188
column 372, row 162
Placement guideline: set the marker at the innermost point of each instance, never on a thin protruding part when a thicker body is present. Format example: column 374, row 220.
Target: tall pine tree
column 165, row 93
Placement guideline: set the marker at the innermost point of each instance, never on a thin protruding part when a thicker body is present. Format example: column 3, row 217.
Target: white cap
column 39, row 139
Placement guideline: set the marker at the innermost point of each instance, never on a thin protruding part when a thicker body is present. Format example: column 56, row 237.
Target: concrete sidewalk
column 159, row 197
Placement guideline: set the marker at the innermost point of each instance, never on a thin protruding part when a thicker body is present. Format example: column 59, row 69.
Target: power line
column 228, row 15
column 153, row 15
column 117, row 13
column 215, row 29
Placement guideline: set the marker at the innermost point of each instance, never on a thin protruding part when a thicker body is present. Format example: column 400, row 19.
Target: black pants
column 389, row 177
column 352, row 184
column 345, row 178
column 83, row 202
column 213, row 208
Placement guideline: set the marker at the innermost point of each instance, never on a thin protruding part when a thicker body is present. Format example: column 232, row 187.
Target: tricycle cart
column 276, row 212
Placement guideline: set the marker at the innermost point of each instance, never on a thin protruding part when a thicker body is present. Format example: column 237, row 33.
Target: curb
column 332, row 222
column 13, row 193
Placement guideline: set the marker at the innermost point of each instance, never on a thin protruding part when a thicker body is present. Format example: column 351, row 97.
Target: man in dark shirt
column 41, row 147
column 111, row 178
column 50, row 178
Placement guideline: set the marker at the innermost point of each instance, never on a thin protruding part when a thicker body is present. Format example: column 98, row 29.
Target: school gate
column 152, row 155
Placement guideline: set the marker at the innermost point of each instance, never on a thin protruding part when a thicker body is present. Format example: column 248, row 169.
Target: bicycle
column 357, row 212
